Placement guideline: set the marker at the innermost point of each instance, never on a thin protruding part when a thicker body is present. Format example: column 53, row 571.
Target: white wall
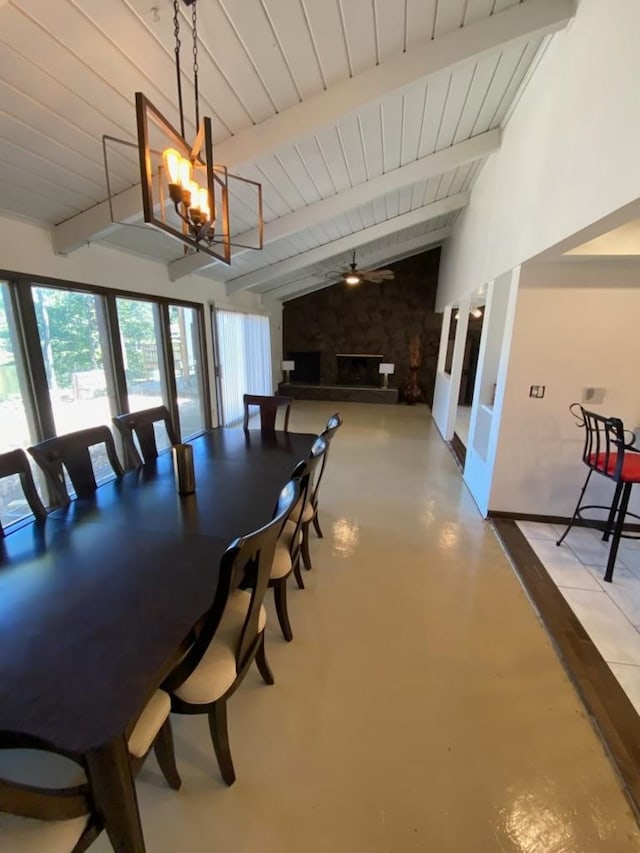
column 27, row 249
column 569, row 154
column 567, row 337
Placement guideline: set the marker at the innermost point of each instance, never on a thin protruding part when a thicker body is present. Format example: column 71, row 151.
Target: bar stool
column 607, row 453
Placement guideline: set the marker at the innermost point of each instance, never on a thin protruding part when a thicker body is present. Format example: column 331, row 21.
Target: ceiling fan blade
column 374, row 275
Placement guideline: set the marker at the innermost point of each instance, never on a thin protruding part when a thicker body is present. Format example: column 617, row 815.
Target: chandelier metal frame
column 195, row 214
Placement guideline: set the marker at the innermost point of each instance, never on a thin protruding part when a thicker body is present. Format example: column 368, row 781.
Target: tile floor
column 609, row 612
column 420, row 706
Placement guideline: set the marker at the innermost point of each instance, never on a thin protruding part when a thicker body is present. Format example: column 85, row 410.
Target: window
column 16, row 431
column 185, row 338
column 71, row 326
column 59, row 372
column 244, row 358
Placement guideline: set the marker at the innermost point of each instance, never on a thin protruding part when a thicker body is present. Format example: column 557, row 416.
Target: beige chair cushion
column 289, row 531
column 307, row 512
column 25, row 834
column 216, row 672
column 149, row 724
column 282, row 564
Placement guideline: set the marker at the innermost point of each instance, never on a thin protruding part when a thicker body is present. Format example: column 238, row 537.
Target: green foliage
column 69, row 335
column 137, row 331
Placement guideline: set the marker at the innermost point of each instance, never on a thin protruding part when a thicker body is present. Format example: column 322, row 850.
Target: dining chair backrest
column 333, row 425
column 141, row 424
column 72, row 452
column 246, row 564
column 39, row 784
column 269, row 407
column 307, row 470
column 16, row 462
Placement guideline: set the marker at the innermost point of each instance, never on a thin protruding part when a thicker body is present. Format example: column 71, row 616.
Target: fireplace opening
column 358, row 369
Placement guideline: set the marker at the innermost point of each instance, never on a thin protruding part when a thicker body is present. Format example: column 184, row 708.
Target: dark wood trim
column 551, row 519
column 611, row 712
column 26, row 280
column 168, row 369
column 458, row 449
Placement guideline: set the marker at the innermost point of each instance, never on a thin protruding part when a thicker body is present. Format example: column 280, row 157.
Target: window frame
column 26, row 337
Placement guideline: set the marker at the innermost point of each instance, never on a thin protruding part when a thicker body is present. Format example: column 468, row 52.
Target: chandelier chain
column 194, row 32
column 176, row 33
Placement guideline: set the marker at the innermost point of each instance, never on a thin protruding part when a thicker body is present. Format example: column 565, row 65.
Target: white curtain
column 244, row 359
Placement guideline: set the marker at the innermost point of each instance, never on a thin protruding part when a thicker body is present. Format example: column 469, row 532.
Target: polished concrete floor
column 420, row 706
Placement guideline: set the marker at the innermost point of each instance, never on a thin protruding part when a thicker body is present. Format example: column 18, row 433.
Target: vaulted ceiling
column 365, row 121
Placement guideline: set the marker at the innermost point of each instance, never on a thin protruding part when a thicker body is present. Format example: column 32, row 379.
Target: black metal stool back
column 604, row 444
column 606, row 452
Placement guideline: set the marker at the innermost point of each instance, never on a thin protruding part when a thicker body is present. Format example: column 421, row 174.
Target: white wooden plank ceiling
column 69, row 70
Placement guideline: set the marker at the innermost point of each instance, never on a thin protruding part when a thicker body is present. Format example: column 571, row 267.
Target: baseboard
column 458, row 449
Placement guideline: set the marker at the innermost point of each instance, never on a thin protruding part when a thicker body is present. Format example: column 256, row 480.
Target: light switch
column 537, row 391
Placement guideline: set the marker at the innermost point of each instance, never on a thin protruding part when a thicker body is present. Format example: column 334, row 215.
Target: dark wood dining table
column 97, row 601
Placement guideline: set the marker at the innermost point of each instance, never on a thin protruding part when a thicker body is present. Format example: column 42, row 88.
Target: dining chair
column 269, row 407
column 140, row 424
column 232, row 634
column 333, row 425
column 287, row 555
column 71, row 452
column 46, row 801
column 16, row 462
column 606, row 451
column 301, row 515
column 310, row 505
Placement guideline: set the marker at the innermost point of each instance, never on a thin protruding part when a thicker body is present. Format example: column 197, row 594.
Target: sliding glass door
column 243, row 355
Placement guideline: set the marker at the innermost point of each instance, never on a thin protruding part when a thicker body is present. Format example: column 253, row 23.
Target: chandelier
column 184, row 192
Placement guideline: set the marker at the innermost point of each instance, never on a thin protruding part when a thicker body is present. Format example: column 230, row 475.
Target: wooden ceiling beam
column 328, row 208
column 348, row 243
column 294, row 289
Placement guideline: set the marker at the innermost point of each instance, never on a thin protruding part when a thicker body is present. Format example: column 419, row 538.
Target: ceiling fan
column 354, row 276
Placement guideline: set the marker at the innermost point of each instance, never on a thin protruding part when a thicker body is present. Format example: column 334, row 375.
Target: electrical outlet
column 537, row 391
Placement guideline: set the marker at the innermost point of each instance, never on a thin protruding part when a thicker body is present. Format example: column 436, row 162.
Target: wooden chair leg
column 263, row 664
column 306, row 556
column 298, row 574
column 220, row 740
column 166, row 756
column 280, row 596
column 316, row 524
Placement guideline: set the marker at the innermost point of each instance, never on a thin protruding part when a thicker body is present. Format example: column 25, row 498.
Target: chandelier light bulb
column 194, row 191
column 172, row 163
column 352, row 279
column 184, row 172
column 203, row 202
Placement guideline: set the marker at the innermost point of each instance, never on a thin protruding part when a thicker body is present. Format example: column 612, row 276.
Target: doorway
column 468, row 375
